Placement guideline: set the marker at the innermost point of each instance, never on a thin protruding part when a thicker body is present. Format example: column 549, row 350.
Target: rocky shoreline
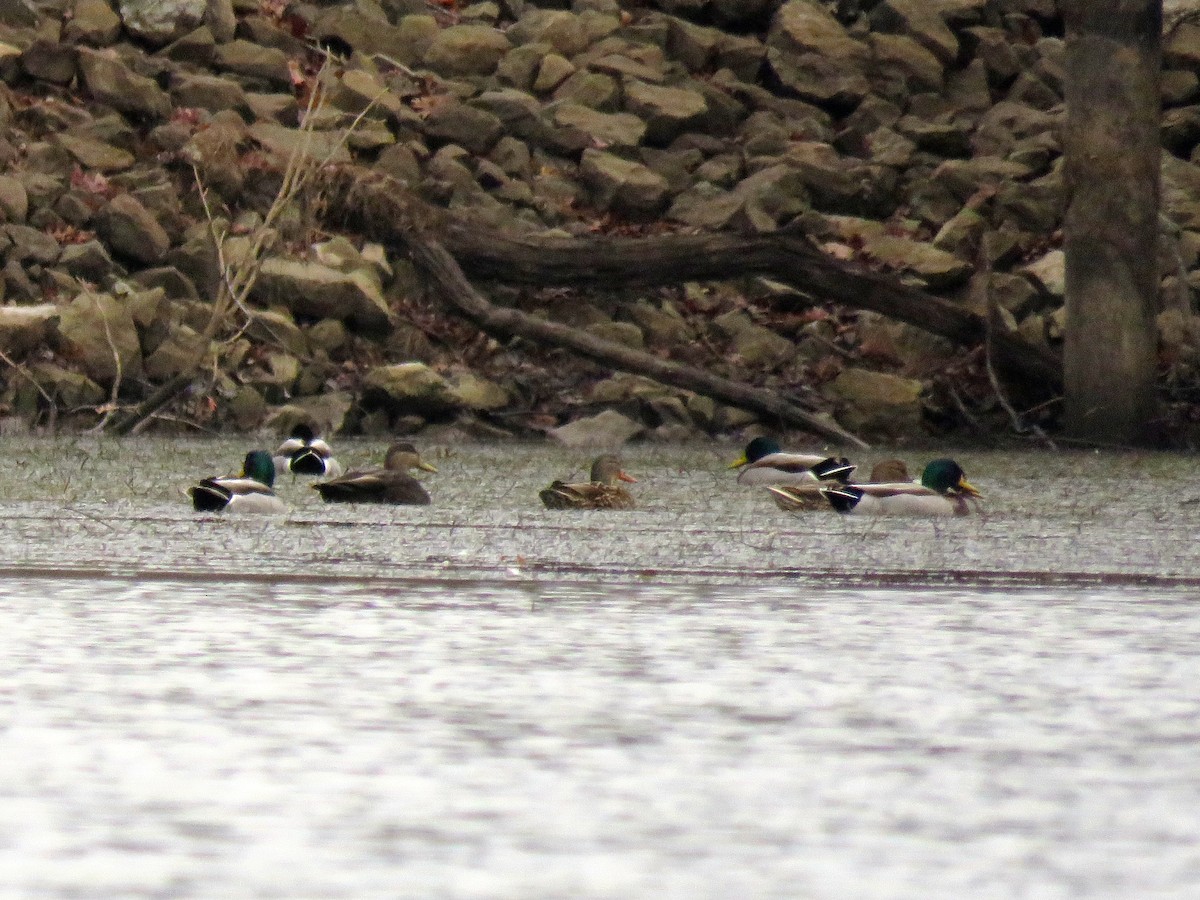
column 919, row 137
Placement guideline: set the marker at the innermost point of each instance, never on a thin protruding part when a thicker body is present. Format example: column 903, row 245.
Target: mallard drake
column 250, row 492
column 942, row 491
column 764, row 462
column 806, row 493
column 391, row 484
column 809, row 495
column 602, row 492
column 306, row 454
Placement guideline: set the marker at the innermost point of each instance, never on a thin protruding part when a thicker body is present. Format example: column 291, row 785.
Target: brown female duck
column 602, row 492
column 391, row 484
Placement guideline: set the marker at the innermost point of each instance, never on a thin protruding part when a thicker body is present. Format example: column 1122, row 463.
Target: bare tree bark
column 1112, row 159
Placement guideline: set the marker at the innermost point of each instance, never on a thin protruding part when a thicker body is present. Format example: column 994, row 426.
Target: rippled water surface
column 702, row 698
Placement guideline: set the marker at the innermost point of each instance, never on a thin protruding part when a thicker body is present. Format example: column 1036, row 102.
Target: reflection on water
column 182, row 739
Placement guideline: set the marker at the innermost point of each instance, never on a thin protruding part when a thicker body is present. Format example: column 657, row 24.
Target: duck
column 808, row 496
column 250, row 492
column 765, row 462
column 391, row 484
column 942, row 491
column 601, row 492
column 303, row 453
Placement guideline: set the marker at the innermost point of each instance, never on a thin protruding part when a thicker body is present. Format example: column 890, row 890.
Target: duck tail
column 843, row 498
column 835, row 468
column 208, row 496
column 307, row 461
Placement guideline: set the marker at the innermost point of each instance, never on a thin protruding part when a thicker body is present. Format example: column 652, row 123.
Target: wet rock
column 606, row 429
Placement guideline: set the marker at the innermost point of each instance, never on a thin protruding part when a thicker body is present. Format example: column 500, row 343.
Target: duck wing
column 374, row 486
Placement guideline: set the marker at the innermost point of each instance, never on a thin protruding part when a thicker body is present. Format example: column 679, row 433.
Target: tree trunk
column 1111, row 148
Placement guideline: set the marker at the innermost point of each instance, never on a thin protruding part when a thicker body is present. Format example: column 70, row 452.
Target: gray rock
column 24, row 328
column 920, row 21
column 476, row 130
column 100, row 333
column 318, row 291
column 69, row 390
column 158, row 22
column 29, row 245
column 176, row 354
column 408, row 388
column 97, row 155
column 265, row 64
column 606, row 429
column 92, row 22
column 89, row 261
column 110, row 81
column 1049, row 273
column 130, row 230
column 466, row 50
column 50, row 61
column 561, row 30
column 14, row 200
column 667, row 111
column 623, row 185
column 878, row 402
column 209, row 92
column 617, row 130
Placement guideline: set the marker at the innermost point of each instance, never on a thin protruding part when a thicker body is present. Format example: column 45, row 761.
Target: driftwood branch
column 440, row 266
column 787, row 258
column 388, row 211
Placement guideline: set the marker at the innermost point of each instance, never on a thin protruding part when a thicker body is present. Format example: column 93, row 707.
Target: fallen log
column 450, row 249
column 434, row 260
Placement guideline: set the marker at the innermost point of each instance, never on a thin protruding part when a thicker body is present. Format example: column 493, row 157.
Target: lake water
column 705, row 697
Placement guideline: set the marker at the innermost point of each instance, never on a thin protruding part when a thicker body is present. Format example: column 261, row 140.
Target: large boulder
column 318, row 291
column 99, row 332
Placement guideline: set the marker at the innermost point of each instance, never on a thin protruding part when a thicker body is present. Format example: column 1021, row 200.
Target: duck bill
column 739, row 462
column 426, row 467
column 969, row 489
column 623, row 476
